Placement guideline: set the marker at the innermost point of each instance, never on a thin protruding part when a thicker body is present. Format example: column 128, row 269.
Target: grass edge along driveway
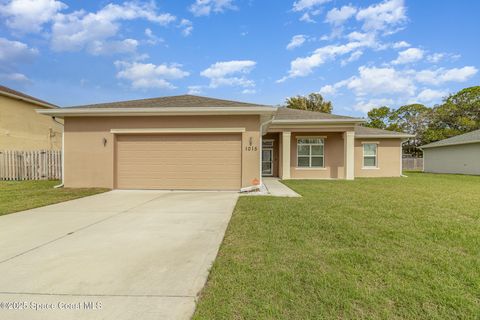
column 386, row 248
column 23, row 195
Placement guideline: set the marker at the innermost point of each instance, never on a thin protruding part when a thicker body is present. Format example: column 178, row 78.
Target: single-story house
column 459, row 154
column 192, row 142
column 21, row 128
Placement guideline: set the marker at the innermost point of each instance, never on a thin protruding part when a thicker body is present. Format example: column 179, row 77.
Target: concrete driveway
column 117, row 255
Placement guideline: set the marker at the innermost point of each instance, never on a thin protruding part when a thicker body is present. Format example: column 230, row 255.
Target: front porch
column 309, row 154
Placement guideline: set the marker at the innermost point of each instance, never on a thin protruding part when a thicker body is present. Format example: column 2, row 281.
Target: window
column 370, row 155
column 310, row 153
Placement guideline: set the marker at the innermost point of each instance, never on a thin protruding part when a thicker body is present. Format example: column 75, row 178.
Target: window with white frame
column 310, row 152
column 370, row 155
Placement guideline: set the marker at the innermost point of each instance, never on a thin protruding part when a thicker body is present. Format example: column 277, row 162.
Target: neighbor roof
column 185, row 101
column 365, row 132
column 22, row 96
column 471, row 137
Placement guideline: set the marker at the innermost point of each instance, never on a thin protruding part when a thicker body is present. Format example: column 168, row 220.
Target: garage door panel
column 179, row 161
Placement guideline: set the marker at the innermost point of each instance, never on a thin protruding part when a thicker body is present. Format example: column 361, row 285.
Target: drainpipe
column 401, row 159
column 63, row 153
column 252, row 188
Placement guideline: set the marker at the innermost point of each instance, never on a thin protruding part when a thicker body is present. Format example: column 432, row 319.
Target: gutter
column 63, row 154
column 63, row 112
column 14, row 96
column 318, row 121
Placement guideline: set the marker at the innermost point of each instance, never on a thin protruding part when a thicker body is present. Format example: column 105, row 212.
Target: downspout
column 252, row 188
column 401, row 159
column 63, row 154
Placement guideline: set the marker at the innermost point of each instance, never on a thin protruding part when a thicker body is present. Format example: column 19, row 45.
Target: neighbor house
column 21, row 128
column 459, row 154
column 191, row 142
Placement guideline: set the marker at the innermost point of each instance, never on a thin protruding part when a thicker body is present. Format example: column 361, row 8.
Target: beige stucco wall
column 463, row 159
column 388, row 157
column 88, row 163
column 21, row 128
column 333, row 157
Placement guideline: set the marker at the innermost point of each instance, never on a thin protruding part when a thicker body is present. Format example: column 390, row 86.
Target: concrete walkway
column 278, row 189
column 117, row 255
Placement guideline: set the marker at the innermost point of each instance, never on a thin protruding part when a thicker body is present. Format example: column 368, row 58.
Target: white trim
column 449, row 144
column 157, row 111
column 178, row 130
column 310, row 121
column 311, row 168
column 14, row 96
column 376, row 156
column 367, row 142
column 310, row 156
column 271, row 162
column 310, row 137
column 383, row 136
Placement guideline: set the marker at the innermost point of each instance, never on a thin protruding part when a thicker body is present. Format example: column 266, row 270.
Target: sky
column 358, row 54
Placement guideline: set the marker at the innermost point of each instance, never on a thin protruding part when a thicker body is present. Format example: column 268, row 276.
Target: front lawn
column 22, row 195
column 389, row 248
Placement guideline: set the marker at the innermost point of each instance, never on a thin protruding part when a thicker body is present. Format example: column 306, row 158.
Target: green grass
column 387, row 248
column 22, row 195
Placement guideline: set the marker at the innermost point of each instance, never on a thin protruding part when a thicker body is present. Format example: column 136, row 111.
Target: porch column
column 286, row 141
column 349, row 152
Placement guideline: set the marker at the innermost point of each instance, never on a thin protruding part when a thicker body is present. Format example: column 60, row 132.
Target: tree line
column 458, row 113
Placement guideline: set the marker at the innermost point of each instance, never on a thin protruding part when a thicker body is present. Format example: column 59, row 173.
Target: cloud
column 14, row 77
column 29, row 16
column 400, row 45
column 112, row 47
column 81, row 30
column 409, row 55
column 429, row 95
column 365, row 106
column 383, row 16
column 304, row 66
column 353, row 57
column 206, row 7
column 302, row 5
column 339, row 16
column 441, row 75
column 249, row 91
column 186, row 26
column 14, row 52
column 148, row 75
column 378, row 81
column 194, row 90
column 297, row 41
column 229, row 73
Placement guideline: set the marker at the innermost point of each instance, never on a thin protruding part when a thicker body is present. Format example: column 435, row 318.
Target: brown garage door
column 179, row 161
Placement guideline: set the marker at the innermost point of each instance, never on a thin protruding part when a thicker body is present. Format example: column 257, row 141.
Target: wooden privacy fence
column 30, row 165
column 411, row 163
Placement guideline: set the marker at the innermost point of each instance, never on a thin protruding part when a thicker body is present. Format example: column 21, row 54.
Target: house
column 21, row 128
column 192, row 142
column 459, row 154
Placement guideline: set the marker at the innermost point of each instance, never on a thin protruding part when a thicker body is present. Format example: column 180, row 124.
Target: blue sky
column 358, row 54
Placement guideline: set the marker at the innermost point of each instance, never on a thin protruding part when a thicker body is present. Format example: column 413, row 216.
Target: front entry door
column 267, row 162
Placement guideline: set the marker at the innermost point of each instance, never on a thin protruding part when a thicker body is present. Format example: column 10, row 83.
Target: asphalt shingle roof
column 294, row 114
column 23, row 95
column 470, row 137
column 374, row 132
column 172, row 102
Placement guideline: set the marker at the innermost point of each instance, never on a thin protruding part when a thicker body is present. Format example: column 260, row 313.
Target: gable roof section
column 365, row 132
column 294, row 116
column 470, row 137
column 182, row 101
column 22, row 96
